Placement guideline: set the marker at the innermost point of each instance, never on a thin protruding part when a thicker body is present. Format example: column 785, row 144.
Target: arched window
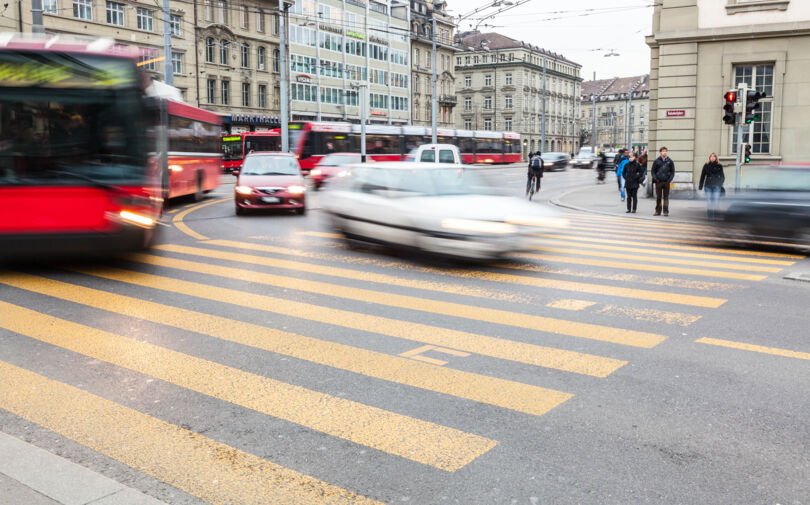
column 209, row 50
column 427, row 31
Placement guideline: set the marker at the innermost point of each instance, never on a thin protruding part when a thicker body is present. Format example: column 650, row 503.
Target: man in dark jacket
column 663, row 171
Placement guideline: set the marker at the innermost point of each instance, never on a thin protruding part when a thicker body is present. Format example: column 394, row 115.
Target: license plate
column 271, row 199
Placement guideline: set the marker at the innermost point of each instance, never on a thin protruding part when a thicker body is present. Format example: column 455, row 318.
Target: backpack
column 536, row 162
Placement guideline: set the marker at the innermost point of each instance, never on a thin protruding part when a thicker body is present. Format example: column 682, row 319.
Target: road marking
column 495, row 316
column 573, row 305
column 632, row 223
column 320, row 234
column 755, row 348
column 520, row 352
column 183, row 227
column 642, row 294
column 654, row 259
column 657, row 316
column 417, row 354
column 213, row 472
column 628, row 265
column 656, row 252
column 480, row 388
column 421, row 441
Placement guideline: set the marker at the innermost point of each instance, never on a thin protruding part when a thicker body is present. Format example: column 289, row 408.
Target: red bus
column 310, row 141
column 194, row 159
column 236, row 146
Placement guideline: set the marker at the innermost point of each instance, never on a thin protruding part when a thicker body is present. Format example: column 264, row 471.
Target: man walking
column 663, row 172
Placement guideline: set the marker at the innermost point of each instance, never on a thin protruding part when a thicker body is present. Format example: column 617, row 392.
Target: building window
column 260, row 57
column 416, row 84
column 488, row 123
column 145, row 19
column 260, row 21
column 226, row 92
column 428, row 55
column 243, row 16
column 222, row 12
column 458, row 60
column 147, row 59
column 488, row 80
column 174, row 24
column 488, row 102
column 468, row 81
column 276, row 59
column 262, row 96
column 245, row 56
column 507, row 124
column 50, row 7
column 209, row 50
column 507, row 101
column 223, row 52
column 245, row 94
column 508, row 79
column 209, row 14
column 468, row 124
column 758, row 133
column 177, row 63
column 212, row 90
column 115, row 13
column 467, row 103
column 83, row 9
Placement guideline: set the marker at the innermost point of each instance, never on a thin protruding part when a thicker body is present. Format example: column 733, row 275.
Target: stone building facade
column 614, row 109
column 422, row 14
column 702, row 48
column 499, row 82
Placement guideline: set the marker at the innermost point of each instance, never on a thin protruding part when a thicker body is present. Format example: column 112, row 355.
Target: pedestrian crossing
column 440, row 333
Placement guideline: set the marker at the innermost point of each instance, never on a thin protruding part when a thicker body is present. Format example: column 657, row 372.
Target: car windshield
column 338, row 160
column 270, row 165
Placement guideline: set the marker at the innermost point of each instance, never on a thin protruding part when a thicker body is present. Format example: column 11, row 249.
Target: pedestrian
column 711, row 180
column 616, row 160
column 619, row 169
column 663, row 171
column 601, row 167
column 633, row 174
column 642, row 161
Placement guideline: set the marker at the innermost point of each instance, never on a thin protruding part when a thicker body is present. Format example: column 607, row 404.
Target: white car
column 435, row 153
column 432, row 207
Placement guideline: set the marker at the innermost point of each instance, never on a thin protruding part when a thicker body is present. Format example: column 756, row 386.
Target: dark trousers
column 632, row 197
column 662, row 197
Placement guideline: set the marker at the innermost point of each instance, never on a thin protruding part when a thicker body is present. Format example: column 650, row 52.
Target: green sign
column 356, row 35
column 231, row 138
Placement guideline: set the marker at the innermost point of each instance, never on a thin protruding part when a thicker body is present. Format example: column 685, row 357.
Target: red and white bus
column 195, row 162
column 236, row 146
column 310, row 141
column 83, row 152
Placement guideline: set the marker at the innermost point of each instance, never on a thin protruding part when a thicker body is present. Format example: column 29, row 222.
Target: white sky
column 583, row 31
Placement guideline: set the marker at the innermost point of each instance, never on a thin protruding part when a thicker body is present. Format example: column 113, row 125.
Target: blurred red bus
column 310, row 141
column 195, row 162
column 235, row 147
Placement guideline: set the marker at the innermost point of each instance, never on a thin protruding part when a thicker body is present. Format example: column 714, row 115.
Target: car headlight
column 476, row 226
column 548, row 164
column 295, row 189
column 316, row 171
column 243, row 190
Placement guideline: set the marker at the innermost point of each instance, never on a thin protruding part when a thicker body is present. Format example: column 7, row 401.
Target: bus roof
column 66, row 43
column 191, row 112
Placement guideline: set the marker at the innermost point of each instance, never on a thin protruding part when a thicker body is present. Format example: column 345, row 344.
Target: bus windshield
column 232, row 148
column 70, row 119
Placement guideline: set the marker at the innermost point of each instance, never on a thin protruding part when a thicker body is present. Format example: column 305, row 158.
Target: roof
column 616, row 86
column 497, row 41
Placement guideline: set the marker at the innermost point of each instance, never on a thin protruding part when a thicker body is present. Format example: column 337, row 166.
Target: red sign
column 676, row 113
column 378, row 113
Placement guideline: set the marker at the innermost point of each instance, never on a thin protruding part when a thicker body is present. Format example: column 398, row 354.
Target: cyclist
column 535, row 168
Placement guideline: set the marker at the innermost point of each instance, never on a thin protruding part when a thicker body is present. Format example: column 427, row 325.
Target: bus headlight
column 243, row 190
column 137, row 219
column 316, row 171
column 296, row 189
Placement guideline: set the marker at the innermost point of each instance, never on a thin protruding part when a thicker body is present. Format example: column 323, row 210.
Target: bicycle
column 532, row 187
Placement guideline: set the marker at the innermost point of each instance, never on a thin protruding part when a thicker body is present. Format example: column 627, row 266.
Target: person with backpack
column 633, row 174
column 535, row 168
column 619, row 170
column 663, row 172
column 712, row 179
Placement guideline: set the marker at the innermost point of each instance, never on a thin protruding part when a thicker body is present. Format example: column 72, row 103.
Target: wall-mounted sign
column 378, row 113
column 330, row 28
column 378, row 40
column 676, row 113
column 356, row 35
column 304, row 78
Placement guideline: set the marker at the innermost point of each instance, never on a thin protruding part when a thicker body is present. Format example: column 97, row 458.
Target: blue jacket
column 620, row 167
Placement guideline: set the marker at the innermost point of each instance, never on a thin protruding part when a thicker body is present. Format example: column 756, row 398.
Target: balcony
column 448, row 99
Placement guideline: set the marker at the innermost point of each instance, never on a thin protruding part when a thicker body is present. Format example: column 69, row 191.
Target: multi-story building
column 702, row 48
column 615, row 106
column 422, row 14
column 338, row 47
column 500, row 86
column 224, row 59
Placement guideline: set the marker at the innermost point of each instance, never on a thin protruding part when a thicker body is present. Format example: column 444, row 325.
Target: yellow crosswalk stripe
column 706, row 248
column 657, row 259
column 775, row 351
column 483, row 314
column 638, row 223
column 421, row 441
column 601, row 289
column 212, row 471
column 530, row 354
column 490, row 390
column 657, row 252
column 636, row 266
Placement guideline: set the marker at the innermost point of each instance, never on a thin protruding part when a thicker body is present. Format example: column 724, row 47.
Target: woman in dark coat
column 712, row 179
column 633, row 175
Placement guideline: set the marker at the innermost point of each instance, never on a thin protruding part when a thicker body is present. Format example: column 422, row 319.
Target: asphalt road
column 260, row 359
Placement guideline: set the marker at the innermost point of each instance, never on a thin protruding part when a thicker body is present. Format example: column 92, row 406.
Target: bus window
column 467, row 145
column 382, row 144
column 412, row 142
column 262, row 143
column 231, row 148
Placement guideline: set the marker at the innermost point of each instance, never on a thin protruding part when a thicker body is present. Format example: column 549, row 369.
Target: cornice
column 743, row 32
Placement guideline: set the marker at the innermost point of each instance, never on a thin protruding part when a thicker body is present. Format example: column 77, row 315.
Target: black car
column 584, row 159
column 555, row 161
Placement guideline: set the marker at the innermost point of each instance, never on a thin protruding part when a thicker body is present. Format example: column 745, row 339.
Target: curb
column 557, row 200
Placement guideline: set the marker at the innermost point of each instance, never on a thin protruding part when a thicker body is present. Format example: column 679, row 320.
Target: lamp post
column 284, row 66
column 361, row 87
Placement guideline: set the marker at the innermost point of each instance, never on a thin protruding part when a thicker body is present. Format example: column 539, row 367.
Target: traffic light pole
column 742, row 91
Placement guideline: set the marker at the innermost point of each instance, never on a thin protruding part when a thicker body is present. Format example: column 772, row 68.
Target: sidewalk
column 32, row 476
column 605, row 199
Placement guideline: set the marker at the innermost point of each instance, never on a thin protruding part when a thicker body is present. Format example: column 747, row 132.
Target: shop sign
column 304, row 78
column 676, row 113
column 356, row 35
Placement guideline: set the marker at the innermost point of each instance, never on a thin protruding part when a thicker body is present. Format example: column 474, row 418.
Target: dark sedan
column 555, row 161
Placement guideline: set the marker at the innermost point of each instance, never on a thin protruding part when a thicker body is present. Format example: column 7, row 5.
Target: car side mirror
column 235, row 173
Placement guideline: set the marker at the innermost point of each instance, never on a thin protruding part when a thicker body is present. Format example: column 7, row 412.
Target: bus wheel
column 200, row 193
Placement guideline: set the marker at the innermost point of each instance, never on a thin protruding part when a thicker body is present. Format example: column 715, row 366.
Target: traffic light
column 747, row 153
column 752, row 106
column 731, row 98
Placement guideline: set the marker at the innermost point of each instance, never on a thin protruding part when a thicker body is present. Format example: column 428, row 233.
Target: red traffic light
column 731, row 96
